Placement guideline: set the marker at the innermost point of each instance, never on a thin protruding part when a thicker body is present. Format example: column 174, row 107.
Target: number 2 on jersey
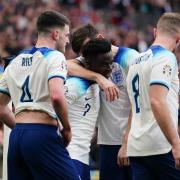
column 135, row 88
column 26, row 96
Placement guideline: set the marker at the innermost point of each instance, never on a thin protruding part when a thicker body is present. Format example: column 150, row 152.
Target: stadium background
column 125, row 22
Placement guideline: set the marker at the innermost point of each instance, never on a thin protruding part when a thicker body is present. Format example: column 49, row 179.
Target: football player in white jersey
column 153, row 86
column 79, row 38
column 113, row 116
column 34, row 81
column 84, row 101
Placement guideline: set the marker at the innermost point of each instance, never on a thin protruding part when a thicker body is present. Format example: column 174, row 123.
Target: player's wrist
column 67, row 127
column 175, row 142
column 97, row 77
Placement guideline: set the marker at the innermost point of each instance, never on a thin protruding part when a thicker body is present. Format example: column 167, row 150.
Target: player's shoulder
column 159, row 51
column 124, row 52
column 124, row 56
column 162, row 55
column 44, row 51
column 77, row 84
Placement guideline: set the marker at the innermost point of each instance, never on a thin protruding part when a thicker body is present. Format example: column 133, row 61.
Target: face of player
column 63, row 39
column 102, row 64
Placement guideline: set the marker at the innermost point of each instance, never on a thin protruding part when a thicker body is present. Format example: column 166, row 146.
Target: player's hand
column 176, row 154
column 66, row 134
column 122, row 158
column 108, row 87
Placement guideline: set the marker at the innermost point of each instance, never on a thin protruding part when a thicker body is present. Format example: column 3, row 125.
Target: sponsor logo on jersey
column 86, row 98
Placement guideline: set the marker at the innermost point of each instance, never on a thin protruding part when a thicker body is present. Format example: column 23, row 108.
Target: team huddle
column 127, row 99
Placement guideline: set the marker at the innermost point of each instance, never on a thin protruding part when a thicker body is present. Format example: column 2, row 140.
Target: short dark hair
column 95, row 47
column 50, row 19
column 80, row 35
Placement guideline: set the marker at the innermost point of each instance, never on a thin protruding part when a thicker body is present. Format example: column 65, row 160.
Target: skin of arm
column 56, row 90
column 110, row 89
column 6, row 115
column 122, row 158
column 161, row 112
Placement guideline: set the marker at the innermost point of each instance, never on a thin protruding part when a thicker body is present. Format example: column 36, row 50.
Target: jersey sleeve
column 3, row 84
column 125, row 56
column 75, row 88
column 70, row 92
column 57, row 65
column 163, row 70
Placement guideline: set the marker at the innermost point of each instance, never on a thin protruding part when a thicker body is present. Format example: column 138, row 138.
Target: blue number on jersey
column 26, row 94
column 88, row 107
column 135, row 87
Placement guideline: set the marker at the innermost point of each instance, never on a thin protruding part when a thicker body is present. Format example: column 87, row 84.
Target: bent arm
column 6, row 115
column 110, row 89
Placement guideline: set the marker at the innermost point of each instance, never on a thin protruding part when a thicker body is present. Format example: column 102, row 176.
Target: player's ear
column 178, row 40
column 55, row 34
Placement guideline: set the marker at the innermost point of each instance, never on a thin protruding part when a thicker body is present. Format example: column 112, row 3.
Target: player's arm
column 163, row 70
column 56, row 90
column 122, row 158
column 6, row 115
column 159, row 105
column 57, row 71
column 110, row 89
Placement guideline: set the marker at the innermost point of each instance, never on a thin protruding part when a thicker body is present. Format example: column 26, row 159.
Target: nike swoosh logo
column 87, row 98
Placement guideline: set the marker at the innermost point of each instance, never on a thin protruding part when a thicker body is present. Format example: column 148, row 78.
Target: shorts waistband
column 35, row 126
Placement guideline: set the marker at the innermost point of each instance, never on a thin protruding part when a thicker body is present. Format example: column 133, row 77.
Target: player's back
column 152, row 67
column 83, row 106
column 27, row 79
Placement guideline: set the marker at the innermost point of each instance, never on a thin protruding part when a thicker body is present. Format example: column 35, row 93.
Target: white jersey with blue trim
column 155, row 66
column 26, row 79
column 83, row 106
column 113, row 116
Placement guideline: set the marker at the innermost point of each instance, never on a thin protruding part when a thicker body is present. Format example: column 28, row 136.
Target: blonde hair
column 169, row 23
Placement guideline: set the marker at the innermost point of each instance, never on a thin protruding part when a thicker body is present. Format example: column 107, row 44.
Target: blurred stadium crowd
column 124, row 22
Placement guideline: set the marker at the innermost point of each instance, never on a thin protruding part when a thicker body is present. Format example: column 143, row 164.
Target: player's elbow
column 155, row 103
column 56, row 99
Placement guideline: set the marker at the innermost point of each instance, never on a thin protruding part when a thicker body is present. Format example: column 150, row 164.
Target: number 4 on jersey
column 26, row 96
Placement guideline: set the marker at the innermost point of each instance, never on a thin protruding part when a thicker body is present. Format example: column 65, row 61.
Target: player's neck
column 45, row 42
column 166, row 42
column 114, row 49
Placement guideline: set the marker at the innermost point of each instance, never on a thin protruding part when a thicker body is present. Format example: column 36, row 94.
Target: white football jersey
column 26, row 79
column 83, row 106
column 113, row 116
column 155, row 66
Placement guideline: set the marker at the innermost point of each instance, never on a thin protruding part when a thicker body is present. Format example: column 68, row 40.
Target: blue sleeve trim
column 4, row 92
column 56, row 76
column 159, row 83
